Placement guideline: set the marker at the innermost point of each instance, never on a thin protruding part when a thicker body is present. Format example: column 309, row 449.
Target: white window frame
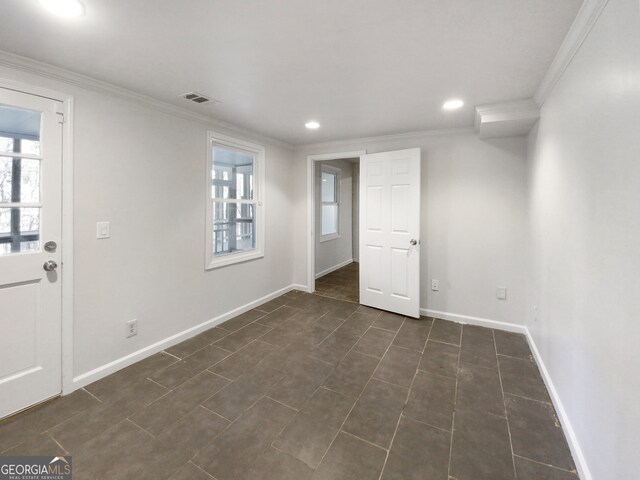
column 258, row 152
column 337, row 173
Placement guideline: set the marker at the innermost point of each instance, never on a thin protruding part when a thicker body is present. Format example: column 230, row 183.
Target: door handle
column 413, row 241
column 50, row 265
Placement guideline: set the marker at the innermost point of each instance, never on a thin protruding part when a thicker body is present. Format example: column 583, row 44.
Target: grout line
column 278, row 401
column 216, row 413
column 176, row 357
column 504, row 404
column 160, row 385
column 528, row 398
column 546, row 464
column 57, row 443
column 204, row 471
column 455, row 401
column 365, row 441
column 91, row 394
column 426, row 424
column 143, row 429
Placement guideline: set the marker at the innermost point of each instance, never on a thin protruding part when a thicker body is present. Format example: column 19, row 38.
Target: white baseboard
column 334, row 268
column 122, row 362
column 570, row 435
column 481, row 322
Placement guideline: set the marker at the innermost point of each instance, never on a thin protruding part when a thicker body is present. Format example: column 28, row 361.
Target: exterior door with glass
column 30, row 258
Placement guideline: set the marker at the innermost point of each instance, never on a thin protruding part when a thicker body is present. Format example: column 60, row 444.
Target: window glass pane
column 232, row 176
column 19, row 130
column 19, row 230
column 329, row 187
column 329, row 219
column 19, row 180
column 234, row 227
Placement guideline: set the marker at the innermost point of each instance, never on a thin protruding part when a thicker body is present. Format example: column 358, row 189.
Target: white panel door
column 390, row 231
column 30, row 219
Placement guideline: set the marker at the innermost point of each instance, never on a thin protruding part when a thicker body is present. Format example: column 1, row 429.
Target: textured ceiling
column 359, row 67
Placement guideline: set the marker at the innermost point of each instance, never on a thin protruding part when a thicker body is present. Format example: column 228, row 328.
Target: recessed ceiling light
column 453, row 104
column 312, row 125
column 64, row 8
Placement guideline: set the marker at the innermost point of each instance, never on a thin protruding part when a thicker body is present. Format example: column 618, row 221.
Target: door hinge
column 60, row 117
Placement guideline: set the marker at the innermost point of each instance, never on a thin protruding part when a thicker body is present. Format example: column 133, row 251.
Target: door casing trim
column 67, row 221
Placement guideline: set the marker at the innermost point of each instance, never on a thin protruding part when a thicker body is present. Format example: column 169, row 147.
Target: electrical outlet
column 132, row 328
column 501, row 293
column 435, row 284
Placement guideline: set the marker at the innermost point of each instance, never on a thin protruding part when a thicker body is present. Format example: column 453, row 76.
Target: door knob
column 413, row 241
column 50, row 265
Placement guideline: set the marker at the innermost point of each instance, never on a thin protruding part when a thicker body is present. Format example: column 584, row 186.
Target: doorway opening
column 334, row 225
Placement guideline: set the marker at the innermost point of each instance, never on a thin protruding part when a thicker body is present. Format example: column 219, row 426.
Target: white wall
column 336, row 251
column 473, row 220
column 584, row 171
column 143, row 170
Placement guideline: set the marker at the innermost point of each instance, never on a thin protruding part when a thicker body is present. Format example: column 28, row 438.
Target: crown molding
column 580, row 28
column 388, row 138
column 508, row 119
column 45, row 70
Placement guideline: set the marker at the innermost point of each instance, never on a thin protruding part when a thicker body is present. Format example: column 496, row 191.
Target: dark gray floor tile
column 92, row 422
column 342, row 310
column 521, row 377
column 171, row 449
column 335, row 347
column 512, row 344
column 352, row 374
column 529, row 470
column 389, row 321
column 178, row 373
column 239, row 395
column 481, row 448
column 287, row 357
column 440, row 358
column 311, row 432
column 242, row 337
column 413, row 334
column 479, row 391
column 236, row 323
column 339, row 464
column 363, row 309
column 271, row 305
column 446, row 331
column 478, row 350
column 119, row 444
column 536, row 432
column 189, row 471
column 22, row 427
column 293, row 294
column 283, row 335
column 432, row 399
column 477, row 331
column 232, row 454
column 274, row 464
column 300, row 382
column 109, row 387
column 196, row 343
column 374, row 342
column 418, row 452
column 375, row 415
column 398, row 366
column 357, row 324
column 42, row 444
column 279, row 315
column 166, row 411
column 241, row 361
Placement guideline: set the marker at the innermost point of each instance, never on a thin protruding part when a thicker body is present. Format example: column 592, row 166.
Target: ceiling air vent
column 197, row 98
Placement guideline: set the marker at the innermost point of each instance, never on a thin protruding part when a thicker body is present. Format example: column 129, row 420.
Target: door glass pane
column 19, row 180
column 234, row 227
column 19, row 130
column 329, row 187
column 232, row 176
column 19, row 230
column 329, row 219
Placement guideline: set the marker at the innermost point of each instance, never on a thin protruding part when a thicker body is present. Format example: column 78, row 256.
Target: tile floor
column 308, row 387
column 341, row 284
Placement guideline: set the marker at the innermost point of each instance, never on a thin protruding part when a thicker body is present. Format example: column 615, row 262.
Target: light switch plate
column 103, row 230
column 435, row 285
column 501, row 293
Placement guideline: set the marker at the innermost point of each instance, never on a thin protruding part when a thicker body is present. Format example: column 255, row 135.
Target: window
column 235, row 217
column 329, row 202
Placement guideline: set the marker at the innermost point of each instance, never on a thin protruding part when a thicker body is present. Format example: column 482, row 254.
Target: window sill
column 232, row 258
column 328, row 238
